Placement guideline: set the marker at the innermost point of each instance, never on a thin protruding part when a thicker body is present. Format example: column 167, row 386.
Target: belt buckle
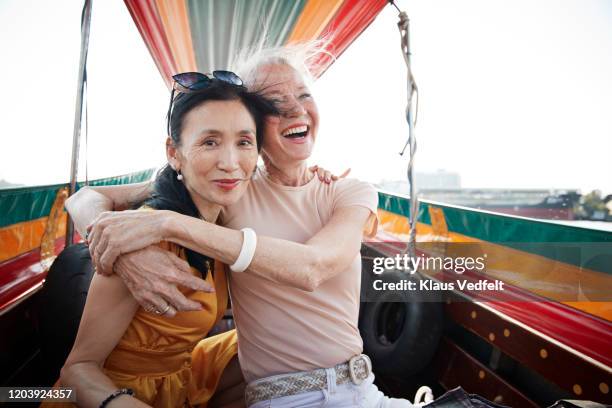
column 353, row 368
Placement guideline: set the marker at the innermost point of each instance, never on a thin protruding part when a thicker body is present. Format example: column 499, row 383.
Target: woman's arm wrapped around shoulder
column 327, row 253
column 89, row 202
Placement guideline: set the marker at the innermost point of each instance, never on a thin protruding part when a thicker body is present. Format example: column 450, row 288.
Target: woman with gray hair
column 296, row 265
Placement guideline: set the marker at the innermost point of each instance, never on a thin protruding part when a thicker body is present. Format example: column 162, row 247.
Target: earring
column 179, row 176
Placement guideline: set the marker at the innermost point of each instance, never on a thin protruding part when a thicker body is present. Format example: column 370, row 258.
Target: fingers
column 152, row 274
column 327, row 176
column 177, row 263
column 105, row 252
column 167, row 310
column 324, row 175
column 151, row 302
column 105, row 262
column 170, row 312
column 179, row 302
column 179, row 272
column 169, row 294
column 343, row 175
column 96, row 229
column 102, row 272
column 155, row 304
column 193, row 282
column 92, row 240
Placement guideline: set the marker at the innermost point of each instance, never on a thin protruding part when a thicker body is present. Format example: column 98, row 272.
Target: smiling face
column 217, row 153
column 289, row 139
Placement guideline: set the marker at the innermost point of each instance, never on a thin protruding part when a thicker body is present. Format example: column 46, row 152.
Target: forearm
column 89, row 202
column 92, row 386
column 275, row 259
column 85, row 206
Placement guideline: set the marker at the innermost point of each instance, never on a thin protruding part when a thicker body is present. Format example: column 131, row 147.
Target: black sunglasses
column 189, row 82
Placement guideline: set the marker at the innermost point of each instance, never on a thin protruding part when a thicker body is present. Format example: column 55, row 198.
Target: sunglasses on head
column 189, row 82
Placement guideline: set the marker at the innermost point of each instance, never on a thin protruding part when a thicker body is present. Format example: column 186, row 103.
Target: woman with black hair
column 127, row 355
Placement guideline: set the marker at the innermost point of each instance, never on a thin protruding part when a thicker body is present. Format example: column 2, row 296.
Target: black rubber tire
column 400, row 334
column 63, row 300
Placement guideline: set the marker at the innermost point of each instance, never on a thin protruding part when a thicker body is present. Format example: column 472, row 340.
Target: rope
column 86, row 20
column 412, row 93
column 81, row 87
column 85, row 89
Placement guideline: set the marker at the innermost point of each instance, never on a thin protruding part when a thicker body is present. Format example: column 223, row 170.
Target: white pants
column 364, row 395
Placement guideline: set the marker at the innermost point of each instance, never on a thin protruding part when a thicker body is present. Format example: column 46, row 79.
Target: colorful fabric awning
column 203, row 35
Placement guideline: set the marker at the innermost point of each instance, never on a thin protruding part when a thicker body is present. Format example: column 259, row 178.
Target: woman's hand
column 152, row 275
column 325, row 175
column 115, row 233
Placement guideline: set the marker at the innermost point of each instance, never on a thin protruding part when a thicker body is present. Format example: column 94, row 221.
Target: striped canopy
column 203, row 35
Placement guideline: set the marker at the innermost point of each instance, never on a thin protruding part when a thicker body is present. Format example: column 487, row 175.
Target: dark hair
column 169, row 193
column 183, row 103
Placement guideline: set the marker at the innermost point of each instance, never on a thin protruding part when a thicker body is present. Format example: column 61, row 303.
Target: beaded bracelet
column 121, row 391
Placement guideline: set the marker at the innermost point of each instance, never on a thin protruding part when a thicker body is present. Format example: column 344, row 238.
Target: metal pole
column 78, row 111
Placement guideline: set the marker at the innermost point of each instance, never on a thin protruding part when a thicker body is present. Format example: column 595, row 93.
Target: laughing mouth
column 297, row 132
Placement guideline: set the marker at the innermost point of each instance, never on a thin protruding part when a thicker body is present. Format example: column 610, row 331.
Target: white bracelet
column 249, row 243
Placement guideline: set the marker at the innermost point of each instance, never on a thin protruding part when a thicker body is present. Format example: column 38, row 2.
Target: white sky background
column 513, row 94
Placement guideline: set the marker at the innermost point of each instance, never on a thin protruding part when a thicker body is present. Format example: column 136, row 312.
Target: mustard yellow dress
column 154, row 356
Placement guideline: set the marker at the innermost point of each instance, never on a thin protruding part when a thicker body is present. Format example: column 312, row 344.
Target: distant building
column 440, row 179
column 445, row 187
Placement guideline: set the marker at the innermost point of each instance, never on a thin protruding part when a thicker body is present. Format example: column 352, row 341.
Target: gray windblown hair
column 302, row 57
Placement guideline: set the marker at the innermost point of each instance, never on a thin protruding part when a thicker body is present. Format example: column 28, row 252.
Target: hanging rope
column 85, row 90
column 412, row 93
column 78, row 113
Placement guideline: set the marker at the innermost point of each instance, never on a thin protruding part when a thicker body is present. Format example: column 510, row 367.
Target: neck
column 209, row 211
column 292, row 174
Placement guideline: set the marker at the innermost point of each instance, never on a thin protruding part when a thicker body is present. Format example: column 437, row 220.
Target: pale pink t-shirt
column 282, row 329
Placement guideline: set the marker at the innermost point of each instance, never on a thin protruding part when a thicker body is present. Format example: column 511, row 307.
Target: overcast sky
column 513, row 94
